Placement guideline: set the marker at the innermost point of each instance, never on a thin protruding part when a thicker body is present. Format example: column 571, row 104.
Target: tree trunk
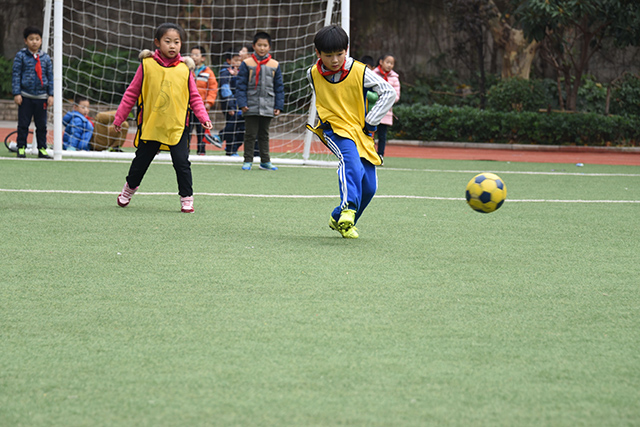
column 518, row 53
column 559, row 86
column 571, row 88
column 483, row 77
column 518, row 56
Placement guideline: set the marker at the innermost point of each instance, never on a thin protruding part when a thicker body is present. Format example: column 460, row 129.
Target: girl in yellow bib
column 341, row 84
column 165, row 90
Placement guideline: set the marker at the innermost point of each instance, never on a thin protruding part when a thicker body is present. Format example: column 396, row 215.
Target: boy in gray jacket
column 260, row 96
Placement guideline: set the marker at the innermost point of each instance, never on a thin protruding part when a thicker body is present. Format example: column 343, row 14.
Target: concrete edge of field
column 515, row 147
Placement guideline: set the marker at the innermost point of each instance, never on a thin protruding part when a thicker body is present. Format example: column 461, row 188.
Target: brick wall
column 9, row 113
column 8, row 110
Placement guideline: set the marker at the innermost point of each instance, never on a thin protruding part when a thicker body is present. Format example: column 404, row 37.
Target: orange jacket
column 207, row 84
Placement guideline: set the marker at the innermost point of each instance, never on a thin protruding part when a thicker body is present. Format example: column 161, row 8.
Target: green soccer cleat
column 350, row 233
column 22, row 153
column 347, row 219
column 42, row 154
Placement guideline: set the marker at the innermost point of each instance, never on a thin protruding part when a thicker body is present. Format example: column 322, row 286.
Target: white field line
column 219, row 161
column 559, row 173
column 307, row 196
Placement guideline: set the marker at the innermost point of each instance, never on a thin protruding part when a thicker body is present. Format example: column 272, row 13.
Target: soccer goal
column 95, row 47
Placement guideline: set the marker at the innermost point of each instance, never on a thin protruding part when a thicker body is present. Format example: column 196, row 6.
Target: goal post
column 95, row 47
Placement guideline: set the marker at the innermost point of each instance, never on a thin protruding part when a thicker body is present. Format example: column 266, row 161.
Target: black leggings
column 147, row 151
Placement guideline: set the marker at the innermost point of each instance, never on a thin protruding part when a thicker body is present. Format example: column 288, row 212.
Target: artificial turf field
column 252, row 312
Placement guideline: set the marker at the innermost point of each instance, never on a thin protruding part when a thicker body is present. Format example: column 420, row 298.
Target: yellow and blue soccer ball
column 486, row 192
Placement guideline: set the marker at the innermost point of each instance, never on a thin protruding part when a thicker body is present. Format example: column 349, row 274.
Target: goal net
column 102, row 40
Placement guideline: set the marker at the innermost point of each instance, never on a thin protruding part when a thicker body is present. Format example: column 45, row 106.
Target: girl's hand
column 276, row 112
column 118, row 128
column 18, row 99
column 245, row 109
column 208, row 125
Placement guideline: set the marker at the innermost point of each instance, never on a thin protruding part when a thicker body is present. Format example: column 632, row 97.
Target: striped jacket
column 207, row 84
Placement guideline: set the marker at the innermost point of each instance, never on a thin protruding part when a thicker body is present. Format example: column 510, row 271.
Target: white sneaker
column 187, row 204
column 125, row 197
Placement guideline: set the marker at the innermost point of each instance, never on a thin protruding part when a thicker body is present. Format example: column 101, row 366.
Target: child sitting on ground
column 78, row 128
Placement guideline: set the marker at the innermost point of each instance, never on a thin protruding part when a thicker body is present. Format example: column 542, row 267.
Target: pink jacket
column 132, row 93
column 395, row 82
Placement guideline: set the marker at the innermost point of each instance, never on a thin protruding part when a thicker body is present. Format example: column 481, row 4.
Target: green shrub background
column 468, row 124
column 518, row 111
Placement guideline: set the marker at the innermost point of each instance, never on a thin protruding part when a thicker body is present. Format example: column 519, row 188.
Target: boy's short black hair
column 79, row 98
column 31, row 30
column 200, row 48
column 230, row 53
column 261, row 35
column 368, row 60
column 331, row 38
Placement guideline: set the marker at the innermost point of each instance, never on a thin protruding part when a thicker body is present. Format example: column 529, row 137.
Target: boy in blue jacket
column 78, row 129
column 32, row 89
column 233, row 132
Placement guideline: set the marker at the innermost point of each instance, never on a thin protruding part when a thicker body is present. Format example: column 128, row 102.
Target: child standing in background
column 208, row 90
column 368, row 61
column 340, row 83
column 78, row 128
column 260, row 96
column 32, row 89
column 233, row 132
column 385, row 70
column 245, row 52
column 164, row 89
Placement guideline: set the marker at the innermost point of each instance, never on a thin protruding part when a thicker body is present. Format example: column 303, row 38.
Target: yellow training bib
column 342, row 105
column 163, row 103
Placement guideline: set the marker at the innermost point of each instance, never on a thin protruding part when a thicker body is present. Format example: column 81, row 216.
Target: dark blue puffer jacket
column 24, row 78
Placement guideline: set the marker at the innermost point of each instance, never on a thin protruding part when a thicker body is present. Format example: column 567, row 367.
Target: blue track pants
column 357, row 177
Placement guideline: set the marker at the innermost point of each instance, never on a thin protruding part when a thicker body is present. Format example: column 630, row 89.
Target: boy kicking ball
column 340, row 84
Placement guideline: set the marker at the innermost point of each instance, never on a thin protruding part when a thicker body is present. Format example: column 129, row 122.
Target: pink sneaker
column 125, row 197
column 187, row 204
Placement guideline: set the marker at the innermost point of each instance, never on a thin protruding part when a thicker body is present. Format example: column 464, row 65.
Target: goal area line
column 307, row 196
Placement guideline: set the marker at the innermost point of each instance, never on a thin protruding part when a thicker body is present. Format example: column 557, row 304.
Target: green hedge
column 6, row 70
column 468, row 124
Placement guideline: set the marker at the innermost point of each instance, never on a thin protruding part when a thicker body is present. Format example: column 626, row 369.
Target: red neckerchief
column 384, row 74
column 164, row 61
column 38, row 68
column 342, row 70
column 260, row 64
